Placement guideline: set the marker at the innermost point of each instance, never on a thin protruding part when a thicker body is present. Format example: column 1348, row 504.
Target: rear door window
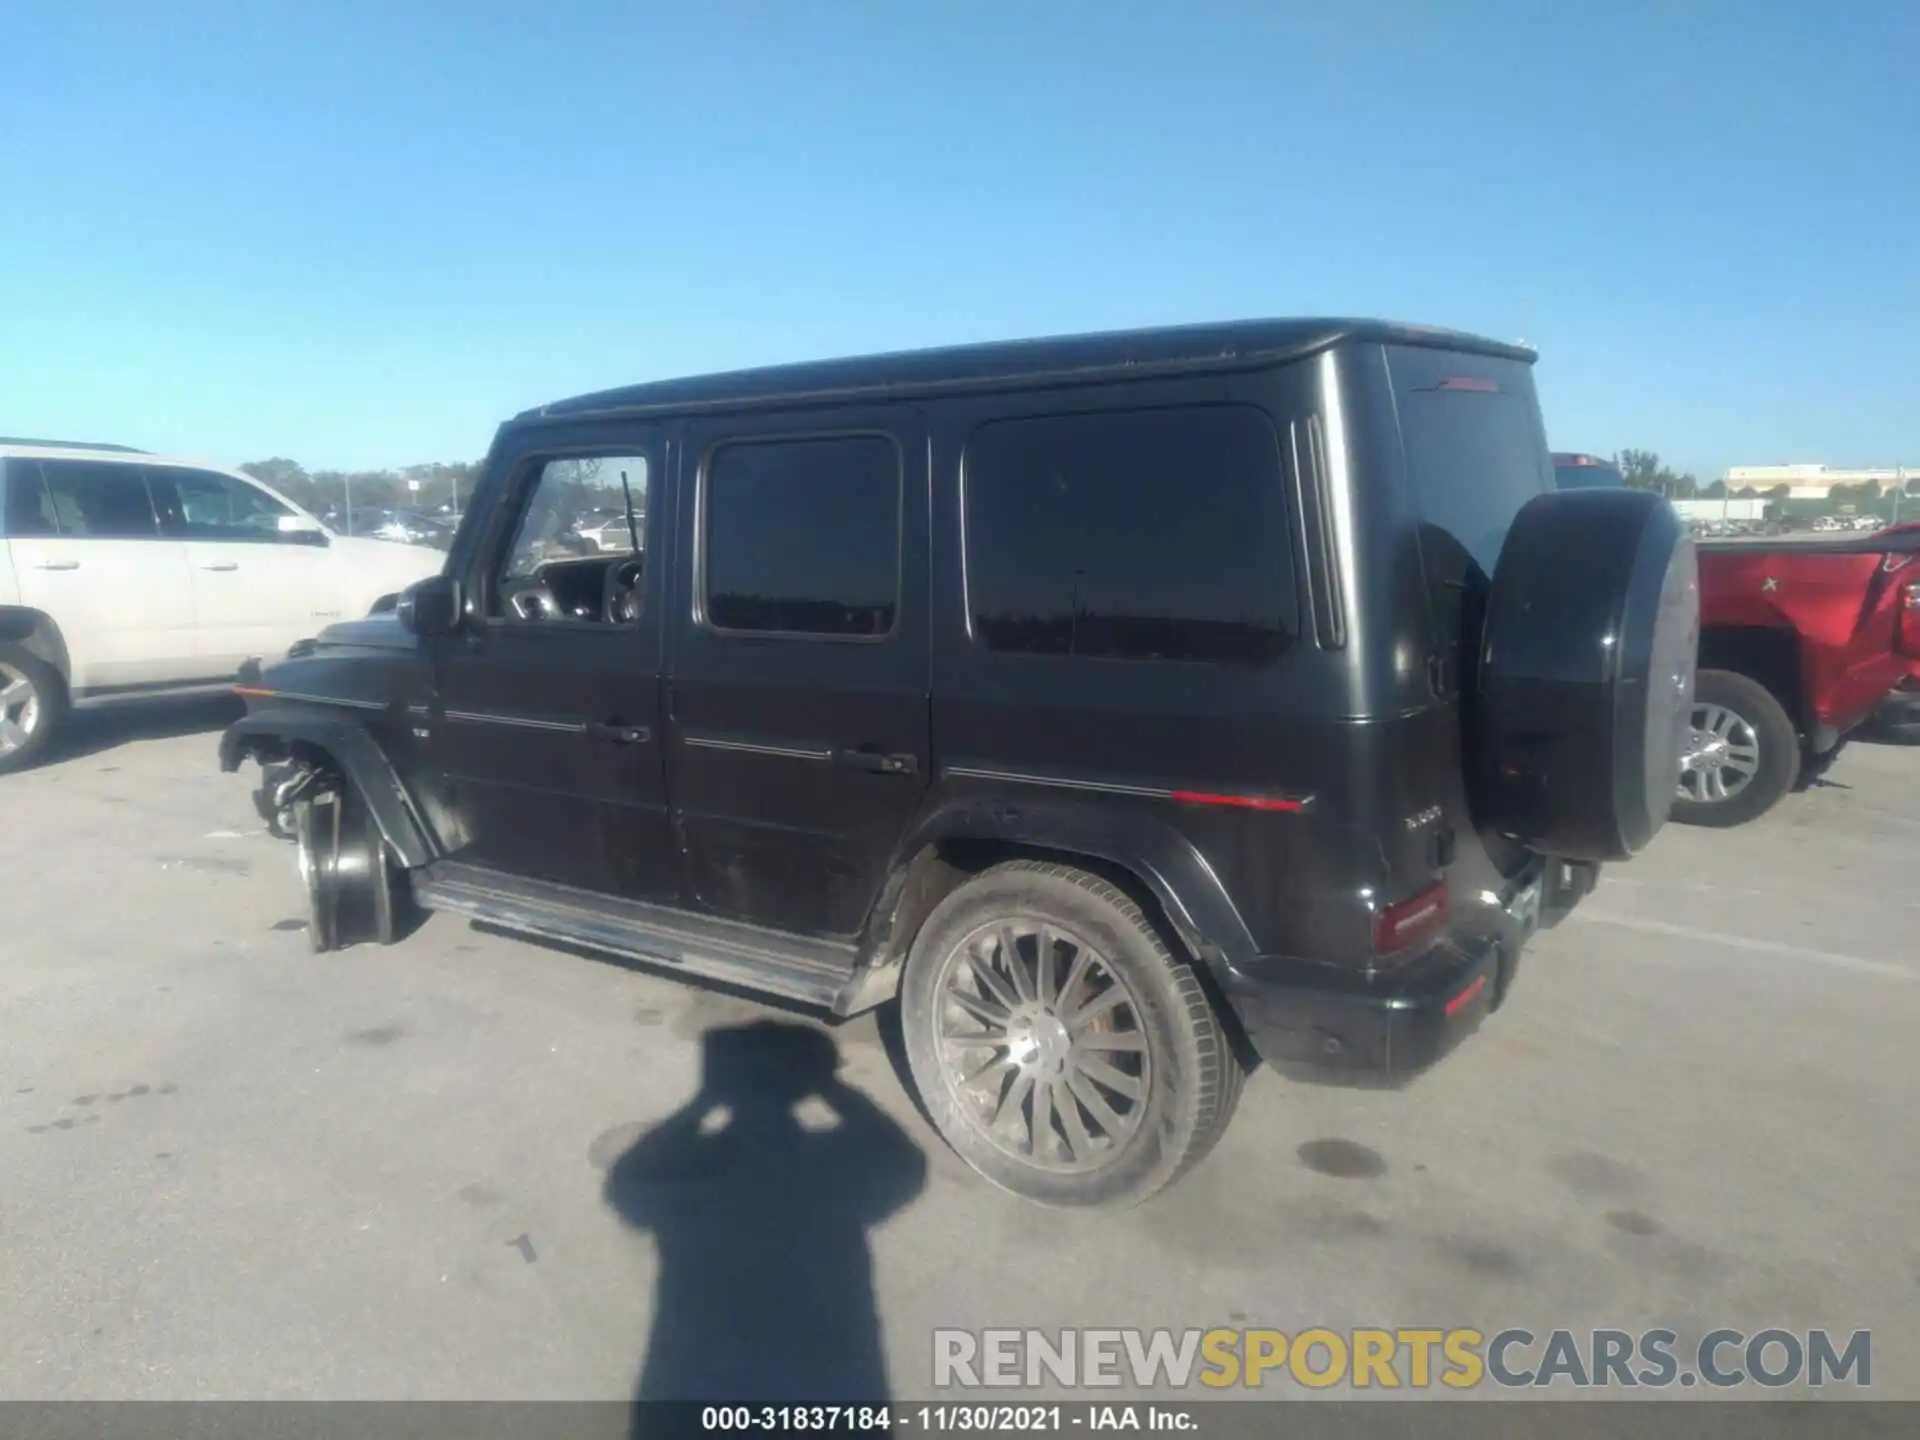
column 94, row 501
column 803, row 536
column 29, row 507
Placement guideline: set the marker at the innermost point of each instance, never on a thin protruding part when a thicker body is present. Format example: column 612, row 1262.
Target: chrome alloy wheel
column 1723, row 755
column 1042, row 1045
column 20, row 709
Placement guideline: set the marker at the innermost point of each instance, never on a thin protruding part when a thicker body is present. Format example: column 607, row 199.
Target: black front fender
column 271, row 734
column 1140, row 843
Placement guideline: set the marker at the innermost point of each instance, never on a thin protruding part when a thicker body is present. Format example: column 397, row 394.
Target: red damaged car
column 1801, row 642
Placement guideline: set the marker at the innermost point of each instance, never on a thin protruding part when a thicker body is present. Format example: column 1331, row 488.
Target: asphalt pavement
column 471, row 1166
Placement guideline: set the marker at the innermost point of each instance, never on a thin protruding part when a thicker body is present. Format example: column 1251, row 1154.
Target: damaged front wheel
column 355, row 891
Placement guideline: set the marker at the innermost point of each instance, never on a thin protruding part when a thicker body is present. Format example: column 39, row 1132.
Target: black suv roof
column 1061, row 358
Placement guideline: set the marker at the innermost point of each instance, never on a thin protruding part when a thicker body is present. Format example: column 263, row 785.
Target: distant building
column 1815, row 482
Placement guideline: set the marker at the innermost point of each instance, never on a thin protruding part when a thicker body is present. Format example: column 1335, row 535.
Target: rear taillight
column 1906, row 621
column 1407, row 922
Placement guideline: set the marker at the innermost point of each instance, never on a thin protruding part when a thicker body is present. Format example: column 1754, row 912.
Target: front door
column 257, row 586
column 798, row 705
column 543, row 741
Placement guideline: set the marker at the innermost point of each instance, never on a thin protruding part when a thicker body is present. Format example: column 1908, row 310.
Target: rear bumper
column 1326, row 1023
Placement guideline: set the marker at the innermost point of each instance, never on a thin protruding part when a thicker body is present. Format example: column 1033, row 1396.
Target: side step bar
column 798, row 968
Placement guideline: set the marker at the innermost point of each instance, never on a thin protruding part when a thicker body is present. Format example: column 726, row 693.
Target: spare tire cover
column 1586, row 673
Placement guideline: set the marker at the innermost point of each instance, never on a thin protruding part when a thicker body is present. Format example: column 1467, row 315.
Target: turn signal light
column 1397, row 926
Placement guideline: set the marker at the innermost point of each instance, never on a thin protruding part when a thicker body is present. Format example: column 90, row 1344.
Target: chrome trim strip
column 522, row 722
column 329, row 700
column 1103, row 787
column 755, row 747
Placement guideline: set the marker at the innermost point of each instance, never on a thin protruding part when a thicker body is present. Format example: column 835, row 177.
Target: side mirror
column 299, row 530
column 430, row 606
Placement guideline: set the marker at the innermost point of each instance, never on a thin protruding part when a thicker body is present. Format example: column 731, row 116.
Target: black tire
column 38, row 716
column 1174, row 1052
column 356, row 893
column 1757, row 714
column 1585, row 675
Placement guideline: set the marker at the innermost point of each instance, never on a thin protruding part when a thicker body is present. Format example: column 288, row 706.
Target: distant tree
column 332, row 491
column 1781, row 492
column 1642, row 470
column 1638, row 468
column 1716, row 491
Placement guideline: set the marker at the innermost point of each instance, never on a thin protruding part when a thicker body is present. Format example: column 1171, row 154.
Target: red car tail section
column 1842, row 600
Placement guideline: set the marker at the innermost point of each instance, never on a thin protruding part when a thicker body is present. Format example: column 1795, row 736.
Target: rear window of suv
column 1476, row 452
column 1474, row 445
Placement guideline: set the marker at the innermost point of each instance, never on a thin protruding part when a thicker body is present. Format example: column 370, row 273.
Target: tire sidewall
column 1158, row 1145
column 1779, row 751
column 51, row 691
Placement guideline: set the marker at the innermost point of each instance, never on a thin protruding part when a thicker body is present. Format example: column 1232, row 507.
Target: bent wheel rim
column 1042, row 1045
column 20, row 709
column 1723, row 756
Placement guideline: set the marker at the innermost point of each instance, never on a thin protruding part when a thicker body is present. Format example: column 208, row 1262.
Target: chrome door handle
column 875, row 763
column 618, row 734
column 221, row 565
column 56, row 565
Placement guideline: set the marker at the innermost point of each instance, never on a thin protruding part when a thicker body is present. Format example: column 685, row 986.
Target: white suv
column 124, row 576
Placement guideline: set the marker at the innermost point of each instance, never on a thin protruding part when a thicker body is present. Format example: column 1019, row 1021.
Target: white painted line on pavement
column 1884, row 968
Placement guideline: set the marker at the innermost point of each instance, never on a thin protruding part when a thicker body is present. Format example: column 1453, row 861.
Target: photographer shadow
column 759, row 1194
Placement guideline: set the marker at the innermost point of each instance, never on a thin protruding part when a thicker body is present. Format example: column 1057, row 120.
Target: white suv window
column 205, row 505
column 92, row 500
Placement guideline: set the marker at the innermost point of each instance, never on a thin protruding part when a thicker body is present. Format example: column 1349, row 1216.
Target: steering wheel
column 620, row 595
column 531, row 600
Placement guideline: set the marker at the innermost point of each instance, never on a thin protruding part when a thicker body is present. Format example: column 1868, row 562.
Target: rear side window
column 92, row 501
column 1130, row 535
column 803, row 536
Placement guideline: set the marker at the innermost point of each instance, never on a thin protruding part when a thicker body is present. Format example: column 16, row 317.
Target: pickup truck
column 1801, row 642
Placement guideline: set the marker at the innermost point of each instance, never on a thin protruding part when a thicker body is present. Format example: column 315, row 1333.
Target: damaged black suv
column 1133, row 708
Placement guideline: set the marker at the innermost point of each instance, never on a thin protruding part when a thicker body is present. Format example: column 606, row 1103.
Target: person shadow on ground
column 759, row 1194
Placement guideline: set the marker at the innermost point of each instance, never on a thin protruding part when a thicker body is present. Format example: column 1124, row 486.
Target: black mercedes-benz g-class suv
column 1132, row 707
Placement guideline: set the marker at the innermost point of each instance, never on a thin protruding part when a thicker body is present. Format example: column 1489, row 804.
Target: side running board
column 798, row 968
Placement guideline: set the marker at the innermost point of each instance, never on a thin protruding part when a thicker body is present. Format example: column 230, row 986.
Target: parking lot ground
column 464, row 1168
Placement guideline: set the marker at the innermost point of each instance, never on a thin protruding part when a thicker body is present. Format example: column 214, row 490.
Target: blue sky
column 360, row 234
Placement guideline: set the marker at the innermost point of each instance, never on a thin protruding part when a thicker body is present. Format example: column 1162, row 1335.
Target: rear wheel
column 1061, row 1049
column 33, row 703
column 1742, row 755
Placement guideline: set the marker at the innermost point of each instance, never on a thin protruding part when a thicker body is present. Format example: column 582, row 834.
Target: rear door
column 256, row 588
column 798, row 695
column 88, row 551
column 1476, row 452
